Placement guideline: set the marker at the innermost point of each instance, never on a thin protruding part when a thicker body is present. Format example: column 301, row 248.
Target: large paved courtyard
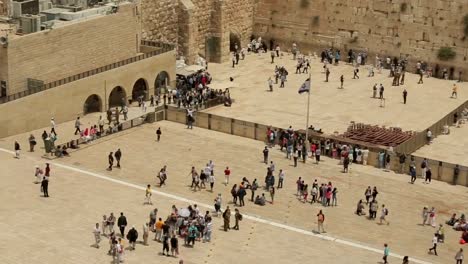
column 331, row 108
column 58, row 229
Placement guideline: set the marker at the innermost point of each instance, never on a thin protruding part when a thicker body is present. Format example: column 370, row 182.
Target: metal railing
column 163, row 48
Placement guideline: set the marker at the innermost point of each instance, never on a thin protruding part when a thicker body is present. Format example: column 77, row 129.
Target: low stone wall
column 441, row 171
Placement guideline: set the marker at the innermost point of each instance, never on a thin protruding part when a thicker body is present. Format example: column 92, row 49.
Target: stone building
column 79, row 67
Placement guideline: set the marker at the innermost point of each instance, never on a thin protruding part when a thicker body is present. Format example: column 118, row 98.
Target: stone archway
column 92, row 104
column 162, row 80
column 117, row 97
column 140, row 88
column 234, row 39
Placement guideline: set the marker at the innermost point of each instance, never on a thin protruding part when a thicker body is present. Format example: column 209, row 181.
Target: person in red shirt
column 227, row 172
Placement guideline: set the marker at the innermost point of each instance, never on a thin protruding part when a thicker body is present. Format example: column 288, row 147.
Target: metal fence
column 162, row 48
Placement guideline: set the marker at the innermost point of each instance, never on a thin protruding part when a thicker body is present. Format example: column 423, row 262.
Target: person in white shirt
column 97, row 235
column 208, row 230
column 211, row 165
column 145, row 234
column 280, row 179
column 270, row 84
column 435, row 239
column 459, row 256
column 211, row 180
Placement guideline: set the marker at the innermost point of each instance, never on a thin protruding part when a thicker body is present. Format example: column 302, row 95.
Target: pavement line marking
column 253, row 218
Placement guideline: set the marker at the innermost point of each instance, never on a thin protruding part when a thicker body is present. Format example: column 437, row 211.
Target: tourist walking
column 158, row 134
column 45, row 186
column 459, row 256
column 320, row 221
column 386, row 253
column 383, row 215
column 227, row 172
column 122, row 223
column 97, row 235
column 111, row 161
column 435, row 240
column 148, row 194
column 227, row 218
column 265, row 155
column 32, row 142
column 145, row 234
column 405, row 94
column 132, row 237
column 237, row 218
column 77, row 125
column 118, row 156
column 17, row 150
column 280, row 179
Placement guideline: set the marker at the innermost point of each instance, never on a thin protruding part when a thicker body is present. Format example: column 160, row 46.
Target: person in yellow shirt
column 148, row 195
column 159, row 224
column 454, row 91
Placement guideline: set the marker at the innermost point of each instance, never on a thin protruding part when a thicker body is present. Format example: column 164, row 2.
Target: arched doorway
column 92, row 104
column 234, row 39
column 140, row 89
column 162, row 80
column 117, row 97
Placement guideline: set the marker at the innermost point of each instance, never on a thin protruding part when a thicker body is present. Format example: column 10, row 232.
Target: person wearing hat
column 132, row 237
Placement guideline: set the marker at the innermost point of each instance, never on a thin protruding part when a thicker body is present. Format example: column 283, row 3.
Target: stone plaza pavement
column 448, row 148
column 331, row 108
column 58, row 229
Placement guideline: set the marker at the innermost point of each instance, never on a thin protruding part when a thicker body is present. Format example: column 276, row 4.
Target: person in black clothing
column 265, row 155
column 428, row 175
column 18, row 148
column 174, row 246
column 45, row 186
column 159, row 133
column 241, row 193
column 132, row 237
column 111, row 161
column 456, row 172
column 122, row 223
column 405, row 94
column 327, row 73
column 118, row 155
column 342, row 81
column 165, row 245
column 356, row 71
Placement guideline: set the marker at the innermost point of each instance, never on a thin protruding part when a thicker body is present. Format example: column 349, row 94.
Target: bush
column 403, row 7
column 315, row 20
column 446, row 53
column 304, row 3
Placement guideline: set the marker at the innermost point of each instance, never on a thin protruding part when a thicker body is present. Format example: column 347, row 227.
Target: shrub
column 403, row 7
column 304, row 3
column 315, row 20
column 446, row 53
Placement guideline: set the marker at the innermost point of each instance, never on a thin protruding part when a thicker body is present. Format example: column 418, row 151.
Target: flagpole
column 308, row 109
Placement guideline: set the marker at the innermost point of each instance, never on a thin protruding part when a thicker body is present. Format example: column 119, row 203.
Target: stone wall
column 64, row 51
column 193, row 23
column 159, row 20
column 66, row 102
column 396, row 27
